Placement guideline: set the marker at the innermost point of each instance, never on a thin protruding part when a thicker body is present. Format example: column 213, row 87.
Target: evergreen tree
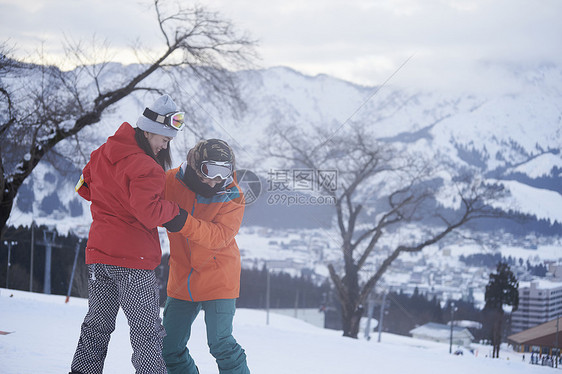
column 502, row 289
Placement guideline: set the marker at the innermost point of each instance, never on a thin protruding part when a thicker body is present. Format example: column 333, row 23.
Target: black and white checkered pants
column 136, row 291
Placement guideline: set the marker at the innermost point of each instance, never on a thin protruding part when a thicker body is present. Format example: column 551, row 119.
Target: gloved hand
column 176, row 223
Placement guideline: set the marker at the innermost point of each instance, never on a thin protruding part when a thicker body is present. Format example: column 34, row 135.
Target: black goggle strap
column 154, row 116
column 166, row 120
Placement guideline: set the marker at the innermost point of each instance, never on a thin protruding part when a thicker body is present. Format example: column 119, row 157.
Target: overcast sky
column 364, row 41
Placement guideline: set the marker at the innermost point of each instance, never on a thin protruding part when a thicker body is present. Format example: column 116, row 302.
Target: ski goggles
column 213, row 169
column 173, row 119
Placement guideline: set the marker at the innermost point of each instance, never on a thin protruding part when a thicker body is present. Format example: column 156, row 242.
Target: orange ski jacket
column 204, row 256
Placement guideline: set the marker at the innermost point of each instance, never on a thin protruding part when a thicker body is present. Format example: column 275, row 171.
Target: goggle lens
column 176, row 121
column 211, row 169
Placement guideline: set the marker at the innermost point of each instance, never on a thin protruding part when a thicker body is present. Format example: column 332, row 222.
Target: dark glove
column 176, row 223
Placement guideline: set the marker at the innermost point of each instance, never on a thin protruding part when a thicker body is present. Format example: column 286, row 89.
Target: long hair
column 162, row 158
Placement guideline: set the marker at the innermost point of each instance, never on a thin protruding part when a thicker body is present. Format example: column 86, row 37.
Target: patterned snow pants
column 136, row 291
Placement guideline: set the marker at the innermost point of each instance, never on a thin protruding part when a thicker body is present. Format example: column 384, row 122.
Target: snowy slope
column 543, row 203
column 46, row 330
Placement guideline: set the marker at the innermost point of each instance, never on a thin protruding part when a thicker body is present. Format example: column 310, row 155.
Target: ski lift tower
column 49, row 237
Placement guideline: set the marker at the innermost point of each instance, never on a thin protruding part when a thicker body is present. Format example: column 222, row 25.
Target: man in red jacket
column 124, row 180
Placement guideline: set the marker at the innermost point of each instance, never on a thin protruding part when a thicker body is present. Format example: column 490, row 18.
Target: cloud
column 363, row 41
column 36, row 24
column 366, row 41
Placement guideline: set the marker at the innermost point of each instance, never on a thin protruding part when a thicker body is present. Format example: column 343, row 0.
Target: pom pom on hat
column 163, row 105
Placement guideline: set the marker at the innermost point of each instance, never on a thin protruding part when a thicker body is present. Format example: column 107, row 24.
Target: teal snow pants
column 219, row 314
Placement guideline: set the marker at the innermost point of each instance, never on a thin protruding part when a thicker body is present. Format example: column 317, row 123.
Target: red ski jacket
column 126, row 188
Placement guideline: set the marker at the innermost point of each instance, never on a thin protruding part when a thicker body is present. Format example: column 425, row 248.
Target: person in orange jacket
column 124, row 179
column 204, row 258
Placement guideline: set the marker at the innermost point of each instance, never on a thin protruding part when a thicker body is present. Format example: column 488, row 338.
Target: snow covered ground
column 45, row 332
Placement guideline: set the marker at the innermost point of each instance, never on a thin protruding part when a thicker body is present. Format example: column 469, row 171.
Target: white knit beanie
column 163, row 105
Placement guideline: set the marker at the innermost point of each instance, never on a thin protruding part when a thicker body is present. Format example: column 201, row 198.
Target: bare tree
column 381, row 188
column 42, row 105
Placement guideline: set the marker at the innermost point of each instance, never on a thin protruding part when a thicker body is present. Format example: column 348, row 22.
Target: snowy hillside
column 512, row 133
column 44, row 332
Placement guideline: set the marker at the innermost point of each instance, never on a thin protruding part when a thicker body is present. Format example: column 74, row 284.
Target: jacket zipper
column 190, row 271
column 188, row 281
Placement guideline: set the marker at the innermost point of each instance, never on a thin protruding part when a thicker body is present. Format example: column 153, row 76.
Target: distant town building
column 545, row 338
column 555, row 271
column 539, row 302
column 438, row 332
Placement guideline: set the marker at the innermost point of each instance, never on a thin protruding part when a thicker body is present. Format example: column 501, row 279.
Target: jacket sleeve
column 82, row 187
column 220, row 231
column 146, row 191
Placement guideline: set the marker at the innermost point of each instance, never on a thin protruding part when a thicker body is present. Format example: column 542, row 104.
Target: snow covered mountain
column 511, row 132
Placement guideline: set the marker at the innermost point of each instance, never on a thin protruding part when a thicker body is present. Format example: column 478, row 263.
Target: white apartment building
column 539, row 302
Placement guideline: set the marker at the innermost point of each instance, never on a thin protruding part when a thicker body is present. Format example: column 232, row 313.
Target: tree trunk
column 352, row 310
column 6, row 205
column 351, row 319
column 497, row 333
